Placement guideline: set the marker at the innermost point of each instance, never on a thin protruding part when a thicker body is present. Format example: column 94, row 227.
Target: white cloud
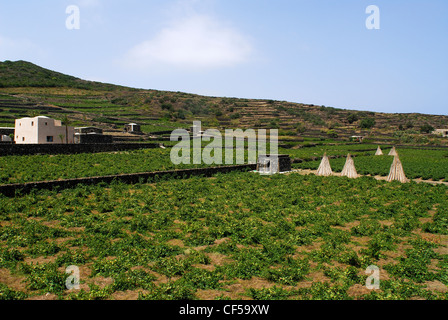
column 194, row 42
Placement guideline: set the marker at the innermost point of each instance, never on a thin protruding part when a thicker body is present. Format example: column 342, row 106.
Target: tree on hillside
column 352, row 117
column 426, row 128
column 367, row 123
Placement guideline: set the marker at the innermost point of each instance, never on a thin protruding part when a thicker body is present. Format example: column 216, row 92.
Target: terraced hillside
column 27, row 89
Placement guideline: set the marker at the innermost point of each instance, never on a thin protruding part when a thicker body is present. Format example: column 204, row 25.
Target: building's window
column 50, row 139
column 32, row 123
column 23, row 138
column 46, row 123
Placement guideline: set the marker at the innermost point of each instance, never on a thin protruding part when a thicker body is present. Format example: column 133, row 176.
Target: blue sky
column 307, row 51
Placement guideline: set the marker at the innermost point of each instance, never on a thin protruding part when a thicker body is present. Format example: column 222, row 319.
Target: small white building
column 6, row 133
column 441, row 132
column 42, row 130
column 132, row 128
column 356, row 138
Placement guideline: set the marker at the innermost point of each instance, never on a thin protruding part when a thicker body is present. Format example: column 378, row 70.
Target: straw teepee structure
column 324, row 168
column 349, row 168
column 379, row 152
column 396, row 171
column 393, row 152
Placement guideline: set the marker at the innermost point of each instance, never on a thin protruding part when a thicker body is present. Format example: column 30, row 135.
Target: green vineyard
column 233, row 236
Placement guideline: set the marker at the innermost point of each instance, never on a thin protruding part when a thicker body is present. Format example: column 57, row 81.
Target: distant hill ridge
column 26, row 74
column 28, row 89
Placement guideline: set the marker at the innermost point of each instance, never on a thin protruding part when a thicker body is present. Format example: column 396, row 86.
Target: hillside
column 26, row 74
column 27, row 89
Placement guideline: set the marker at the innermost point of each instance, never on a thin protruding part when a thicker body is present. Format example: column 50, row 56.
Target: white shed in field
column 42, row 130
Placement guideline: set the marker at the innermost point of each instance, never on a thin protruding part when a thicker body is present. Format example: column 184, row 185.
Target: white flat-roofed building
column 441, row 132
column 42, row 130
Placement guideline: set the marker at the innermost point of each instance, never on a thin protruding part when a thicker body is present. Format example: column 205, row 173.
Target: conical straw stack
column 393, row 152
column 324, row 168
column 349, row 168
column 396, row 171
column 379, row 152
